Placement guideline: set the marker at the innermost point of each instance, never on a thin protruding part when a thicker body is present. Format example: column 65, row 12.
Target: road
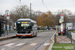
column 41, row 42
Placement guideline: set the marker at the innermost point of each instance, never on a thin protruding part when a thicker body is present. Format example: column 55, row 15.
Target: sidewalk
column 8, row 36
column 63, row 39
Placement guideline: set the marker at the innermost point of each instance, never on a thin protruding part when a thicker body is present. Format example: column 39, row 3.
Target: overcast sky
column 42, row 5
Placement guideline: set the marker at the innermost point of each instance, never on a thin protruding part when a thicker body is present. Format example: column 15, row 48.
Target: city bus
column 26, row 27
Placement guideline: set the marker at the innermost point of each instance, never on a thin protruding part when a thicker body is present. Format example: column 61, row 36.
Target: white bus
column 26, row 27
column 69, row 26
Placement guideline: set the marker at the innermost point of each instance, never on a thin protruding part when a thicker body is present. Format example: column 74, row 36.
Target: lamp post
column 30, row 10
column 7, row 17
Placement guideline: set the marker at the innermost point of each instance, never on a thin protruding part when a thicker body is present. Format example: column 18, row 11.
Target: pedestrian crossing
column 20, row 44
column 14, row 44
column 9, row 45
column 33, row 44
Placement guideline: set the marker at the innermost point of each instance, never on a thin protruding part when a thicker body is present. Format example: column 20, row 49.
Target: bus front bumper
column 23, row 34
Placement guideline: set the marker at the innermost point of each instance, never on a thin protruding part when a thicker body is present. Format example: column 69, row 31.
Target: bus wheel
column 19, row 37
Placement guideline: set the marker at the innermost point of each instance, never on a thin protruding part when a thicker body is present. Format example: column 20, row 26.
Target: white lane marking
column 33, row 44
column 3, row 49
column 9, row 45
column 46, row 44
column 19, row 44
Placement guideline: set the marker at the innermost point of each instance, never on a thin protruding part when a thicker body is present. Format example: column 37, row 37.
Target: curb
column 8, row 37
column 51, row 42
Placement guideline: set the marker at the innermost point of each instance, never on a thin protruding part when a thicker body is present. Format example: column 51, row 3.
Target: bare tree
column 19, row 12
column 67, row 16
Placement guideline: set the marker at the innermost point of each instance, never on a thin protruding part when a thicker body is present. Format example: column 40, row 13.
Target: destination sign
column 25, row 22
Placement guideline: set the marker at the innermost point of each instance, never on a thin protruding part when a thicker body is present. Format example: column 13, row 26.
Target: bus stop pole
column 7, row 16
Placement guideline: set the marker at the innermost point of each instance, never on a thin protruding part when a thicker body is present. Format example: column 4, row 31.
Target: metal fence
column 68, row 34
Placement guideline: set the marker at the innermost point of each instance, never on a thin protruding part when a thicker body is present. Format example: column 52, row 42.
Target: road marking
column 46, row 44
column 9, row 45
column 3, row 49
column 19, row 44
column 33, row 44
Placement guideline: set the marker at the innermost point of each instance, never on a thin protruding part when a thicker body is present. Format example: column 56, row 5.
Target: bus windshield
column 25, row 25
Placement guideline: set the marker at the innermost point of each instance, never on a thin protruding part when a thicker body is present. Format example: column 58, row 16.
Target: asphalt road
column 41, row 42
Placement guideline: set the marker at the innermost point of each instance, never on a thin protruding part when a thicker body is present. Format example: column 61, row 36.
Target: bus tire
column 19, row 37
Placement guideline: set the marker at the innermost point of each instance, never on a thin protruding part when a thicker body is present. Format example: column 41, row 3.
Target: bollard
column 56, row 35
column 55, row 38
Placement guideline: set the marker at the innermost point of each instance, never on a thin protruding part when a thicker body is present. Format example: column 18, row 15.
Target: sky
column 38, row 5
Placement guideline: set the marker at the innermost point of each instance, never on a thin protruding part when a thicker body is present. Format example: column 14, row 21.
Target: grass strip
column 72, row 31
column 63, row 46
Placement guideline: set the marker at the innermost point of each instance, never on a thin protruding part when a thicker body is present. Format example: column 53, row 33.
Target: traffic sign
column 61, row 15
column 62, row 18
column 8, row 17
column 7, row 27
